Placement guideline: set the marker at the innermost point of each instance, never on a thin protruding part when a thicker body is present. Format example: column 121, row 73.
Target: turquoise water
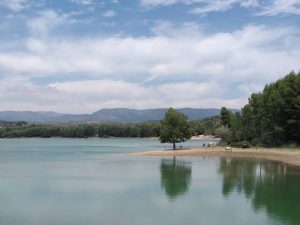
column 93, row 181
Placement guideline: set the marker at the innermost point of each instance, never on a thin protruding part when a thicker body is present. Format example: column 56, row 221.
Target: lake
column 93, row 181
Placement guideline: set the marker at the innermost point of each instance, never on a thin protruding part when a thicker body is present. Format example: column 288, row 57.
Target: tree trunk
column 174, row 146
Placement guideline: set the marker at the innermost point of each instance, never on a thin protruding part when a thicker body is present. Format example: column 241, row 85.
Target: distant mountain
column 123, row 115
column 116, row 115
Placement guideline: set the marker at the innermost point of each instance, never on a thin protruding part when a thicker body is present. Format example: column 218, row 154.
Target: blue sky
column 78, row 56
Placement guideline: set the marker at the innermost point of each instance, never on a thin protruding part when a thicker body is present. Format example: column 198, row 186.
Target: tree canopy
column 225, row 116
column 174, row 128
column 271, row 117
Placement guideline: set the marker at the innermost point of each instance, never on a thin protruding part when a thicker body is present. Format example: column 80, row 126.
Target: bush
column 241, row 144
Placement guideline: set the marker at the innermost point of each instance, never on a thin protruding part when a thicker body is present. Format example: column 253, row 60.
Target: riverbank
column 285, row 155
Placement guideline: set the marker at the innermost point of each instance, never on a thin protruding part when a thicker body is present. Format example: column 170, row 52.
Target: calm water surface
column 92, row 181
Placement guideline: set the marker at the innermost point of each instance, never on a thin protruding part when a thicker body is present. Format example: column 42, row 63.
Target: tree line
column 150, row 129
column 80, row 130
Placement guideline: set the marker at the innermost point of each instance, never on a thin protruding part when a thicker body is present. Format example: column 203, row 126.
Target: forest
column 80, row 130
column 149, row 129
column 271, row 117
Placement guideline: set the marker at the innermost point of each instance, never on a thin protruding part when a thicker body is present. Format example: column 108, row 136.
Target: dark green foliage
column 206, row 126
column 12, row 130
column 224, row 133
column 225, row 116
column 241, row 144
column 143, row 130
column 7, row 123
column 174, row 128
column 271, row 117
column 118, row 130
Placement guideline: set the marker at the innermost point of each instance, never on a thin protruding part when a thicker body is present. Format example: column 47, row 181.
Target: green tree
column 225, row 116
column 271, row 117
column 174, row 128
column 224, row 133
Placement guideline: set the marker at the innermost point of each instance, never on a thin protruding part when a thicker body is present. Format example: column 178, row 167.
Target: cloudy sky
column 78, row 56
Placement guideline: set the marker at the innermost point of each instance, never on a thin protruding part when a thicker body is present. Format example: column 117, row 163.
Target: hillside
column 115, row 115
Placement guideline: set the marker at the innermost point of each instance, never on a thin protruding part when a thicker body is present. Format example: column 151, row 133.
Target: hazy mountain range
column 115, row 115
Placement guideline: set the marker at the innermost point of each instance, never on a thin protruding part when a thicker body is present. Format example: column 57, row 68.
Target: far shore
column 285, row 155
column 197, row 137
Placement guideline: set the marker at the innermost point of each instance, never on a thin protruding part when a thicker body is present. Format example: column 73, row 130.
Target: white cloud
column 166, row 28
column 14, row 5
column 103, row 89
column 263, row 8
column 109, row 13
column 250, row 88
column 90, row 95
column 215, row 6
column 83, row 2
column 165, row 69
column 45, row 22
column 282, row 7
column 169, row 55
column 204, row 6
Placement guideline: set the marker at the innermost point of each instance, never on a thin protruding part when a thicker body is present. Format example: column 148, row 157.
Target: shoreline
column 199, row 137
column 284, row 155
column 206, row 138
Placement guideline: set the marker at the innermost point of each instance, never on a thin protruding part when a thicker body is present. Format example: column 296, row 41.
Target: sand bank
column 283, row 155
column 206, row 137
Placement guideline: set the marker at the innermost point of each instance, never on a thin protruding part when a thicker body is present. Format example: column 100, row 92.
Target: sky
column 78, row 56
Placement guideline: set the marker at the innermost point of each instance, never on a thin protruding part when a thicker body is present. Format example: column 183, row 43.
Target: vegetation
column 174, row 128
column 143, row 130
column 7, row 123
column 226, row 116
column 271, row 117
column 207, row 126
column 81, row 130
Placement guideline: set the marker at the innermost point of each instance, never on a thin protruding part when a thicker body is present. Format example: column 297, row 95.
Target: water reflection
column 175, row 177
column 269, row 185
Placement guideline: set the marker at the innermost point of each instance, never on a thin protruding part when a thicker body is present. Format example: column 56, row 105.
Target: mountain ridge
column 106, row 115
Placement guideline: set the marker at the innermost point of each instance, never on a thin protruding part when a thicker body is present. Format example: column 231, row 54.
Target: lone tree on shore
column 174, row 128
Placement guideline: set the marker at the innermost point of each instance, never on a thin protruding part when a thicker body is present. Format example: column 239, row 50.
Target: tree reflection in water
column 270, row 185
column 175, row 177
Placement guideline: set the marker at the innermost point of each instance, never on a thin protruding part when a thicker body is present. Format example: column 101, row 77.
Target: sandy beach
column 206, row 138
column 288, row 156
